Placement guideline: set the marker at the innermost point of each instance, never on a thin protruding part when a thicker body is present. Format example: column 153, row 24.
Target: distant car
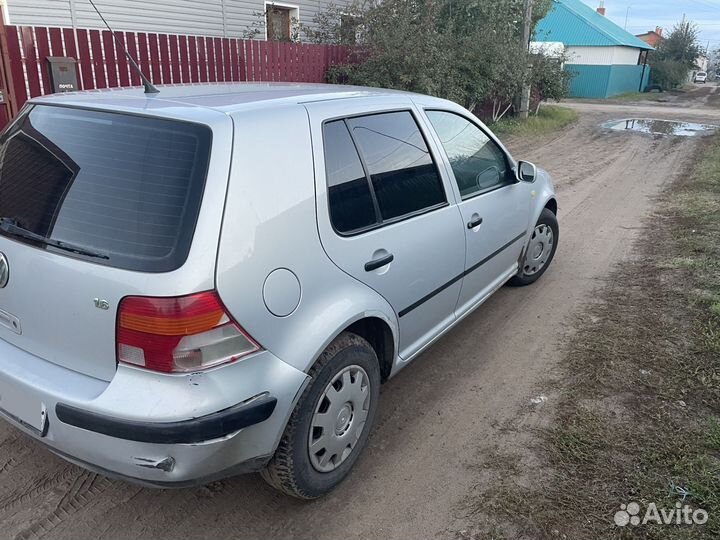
column 216, row 279
column 701, row 77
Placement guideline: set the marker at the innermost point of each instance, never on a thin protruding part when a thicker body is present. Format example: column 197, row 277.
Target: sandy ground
column 438, row 417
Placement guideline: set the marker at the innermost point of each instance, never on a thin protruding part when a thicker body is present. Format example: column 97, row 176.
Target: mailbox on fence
column 63, row 75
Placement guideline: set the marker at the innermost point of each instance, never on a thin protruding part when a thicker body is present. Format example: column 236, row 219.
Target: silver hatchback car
column 216, row 279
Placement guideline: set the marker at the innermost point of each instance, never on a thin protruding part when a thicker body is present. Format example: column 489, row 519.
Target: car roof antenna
column 149, row 87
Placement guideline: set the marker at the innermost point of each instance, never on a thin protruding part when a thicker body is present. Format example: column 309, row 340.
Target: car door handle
column 474, row 222
column 379, row 263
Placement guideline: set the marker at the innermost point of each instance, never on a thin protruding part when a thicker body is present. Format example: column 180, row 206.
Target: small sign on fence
column 63, row 76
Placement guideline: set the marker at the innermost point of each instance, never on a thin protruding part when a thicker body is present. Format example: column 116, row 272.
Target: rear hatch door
column 94, row 206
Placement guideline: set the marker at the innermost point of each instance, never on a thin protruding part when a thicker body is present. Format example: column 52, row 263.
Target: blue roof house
column 605, row 59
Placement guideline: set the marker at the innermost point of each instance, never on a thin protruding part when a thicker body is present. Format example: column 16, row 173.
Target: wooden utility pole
column 524, row 108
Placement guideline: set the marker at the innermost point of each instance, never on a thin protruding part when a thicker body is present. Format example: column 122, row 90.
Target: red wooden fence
column 164, row 58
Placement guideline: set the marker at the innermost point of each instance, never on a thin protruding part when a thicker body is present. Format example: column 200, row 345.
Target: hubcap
column 539, row 250
column 339, row 418
column 343, row 420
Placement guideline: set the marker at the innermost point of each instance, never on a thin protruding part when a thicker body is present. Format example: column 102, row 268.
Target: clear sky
column 645, row 15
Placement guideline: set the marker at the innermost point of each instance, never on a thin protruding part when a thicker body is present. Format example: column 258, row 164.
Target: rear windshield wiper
column 10, row 226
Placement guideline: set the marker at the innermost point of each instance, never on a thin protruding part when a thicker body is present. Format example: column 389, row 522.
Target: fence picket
column 134, row 51
column 219, row 64
column 174, row 59
column 98, row 61
column 144, row 53
column 193, row 59
column 71, row 48
column 164, row 58
column 56, row 46
column 121, row 60
column 202, row 63
column 31, row 61
column 16, row 67
column 42, row 44
column 185, row 65
column 235, row 68
column 154, row 59
column 227, row 62
column 210, row 59
column 110, row 62
column 83, row 43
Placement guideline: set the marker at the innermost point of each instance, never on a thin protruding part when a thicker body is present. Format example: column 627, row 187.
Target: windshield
column 128, row 187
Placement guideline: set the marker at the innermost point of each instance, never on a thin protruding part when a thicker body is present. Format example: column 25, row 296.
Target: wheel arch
column 364, row 312
column 551, row 205
column 379, row 335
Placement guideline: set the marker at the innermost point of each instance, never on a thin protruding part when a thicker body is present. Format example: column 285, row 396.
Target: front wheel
column 331, row 422
column 540, row 250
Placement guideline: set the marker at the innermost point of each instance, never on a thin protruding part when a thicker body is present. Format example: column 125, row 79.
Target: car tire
column 540, row 250
column 294, row 468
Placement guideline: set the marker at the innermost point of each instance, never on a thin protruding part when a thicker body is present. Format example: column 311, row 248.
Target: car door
column 494, row 206
column 384, row 212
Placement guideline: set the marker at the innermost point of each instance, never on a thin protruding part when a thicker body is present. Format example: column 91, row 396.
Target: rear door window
column 351, row 201
column 404, row 177
column 126, row 187
column 379, row 170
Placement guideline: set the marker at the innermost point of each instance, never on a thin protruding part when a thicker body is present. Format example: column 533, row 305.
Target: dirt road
column 437, row 418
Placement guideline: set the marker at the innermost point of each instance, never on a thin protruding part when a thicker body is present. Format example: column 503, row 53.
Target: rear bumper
column 161, row 430
column 208, row 427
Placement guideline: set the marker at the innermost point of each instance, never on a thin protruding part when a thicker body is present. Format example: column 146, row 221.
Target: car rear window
column 127, row 187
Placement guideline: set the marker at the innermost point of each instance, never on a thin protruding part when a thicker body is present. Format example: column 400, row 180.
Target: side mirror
column 526, row 171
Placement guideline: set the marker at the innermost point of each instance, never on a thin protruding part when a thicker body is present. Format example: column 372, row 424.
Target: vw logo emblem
column 4, row 270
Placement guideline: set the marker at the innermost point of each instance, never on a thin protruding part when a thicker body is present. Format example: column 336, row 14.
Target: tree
column 550, row 80
column 714, row 64
column 681, row 45
column 468, row 51
column 676, row 55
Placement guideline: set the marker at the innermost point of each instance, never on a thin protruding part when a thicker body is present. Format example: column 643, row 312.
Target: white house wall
column 57, row 11
column 603, row 56
column 626, row 56
column 168, row 16
column 200, row 17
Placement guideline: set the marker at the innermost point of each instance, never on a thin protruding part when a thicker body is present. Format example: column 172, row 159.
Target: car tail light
column 179, row 334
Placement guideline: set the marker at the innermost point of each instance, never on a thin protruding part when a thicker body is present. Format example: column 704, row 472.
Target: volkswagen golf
column 216, row 279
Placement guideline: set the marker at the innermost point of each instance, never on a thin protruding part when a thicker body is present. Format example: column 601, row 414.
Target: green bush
column 469, row 52
column 669, row 74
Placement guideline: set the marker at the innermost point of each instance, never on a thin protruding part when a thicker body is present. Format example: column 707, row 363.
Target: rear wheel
column 540, row 250
column 331, row 422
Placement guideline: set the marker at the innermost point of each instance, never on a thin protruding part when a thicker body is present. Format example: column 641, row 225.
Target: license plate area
column 23, row 408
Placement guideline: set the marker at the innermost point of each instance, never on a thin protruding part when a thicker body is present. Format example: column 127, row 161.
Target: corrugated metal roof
column 577, row 24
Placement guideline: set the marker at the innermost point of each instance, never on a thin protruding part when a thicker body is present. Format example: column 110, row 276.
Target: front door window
column 477, row 162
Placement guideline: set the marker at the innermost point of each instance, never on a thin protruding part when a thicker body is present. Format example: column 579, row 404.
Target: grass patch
column 642, row 96
column 639, row 415
column 551, row 118
column 654, row 96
